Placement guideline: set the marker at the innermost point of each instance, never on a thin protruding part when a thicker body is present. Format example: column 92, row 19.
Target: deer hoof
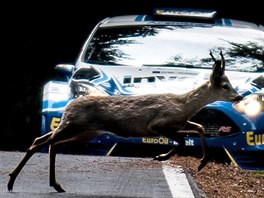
column 203, row 163
column 161, row 157
column 10, row 183
column 58, row 188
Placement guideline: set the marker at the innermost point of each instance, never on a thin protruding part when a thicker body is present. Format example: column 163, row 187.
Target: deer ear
column 218, row 67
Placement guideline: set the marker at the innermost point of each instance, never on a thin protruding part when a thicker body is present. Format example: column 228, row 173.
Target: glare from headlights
column 253, row 108
column 250, row 105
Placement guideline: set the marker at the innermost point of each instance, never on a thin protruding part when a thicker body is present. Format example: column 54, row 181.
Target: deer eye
column 225, row 86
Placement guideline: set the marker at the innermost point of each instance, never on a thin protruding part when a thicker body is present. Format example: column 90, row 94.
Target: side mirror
column 66, row 70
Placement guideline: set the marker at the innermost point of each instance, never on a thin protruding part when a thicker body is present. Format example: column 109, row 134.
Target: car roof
column 190, row 20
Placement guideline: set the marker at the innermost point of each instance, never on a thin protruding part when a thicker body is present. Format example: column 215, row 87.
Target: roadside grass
column 259, row 173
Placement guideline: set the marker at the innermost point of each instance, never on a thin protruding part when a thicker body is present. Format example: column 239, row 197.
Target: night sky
column 37, row 36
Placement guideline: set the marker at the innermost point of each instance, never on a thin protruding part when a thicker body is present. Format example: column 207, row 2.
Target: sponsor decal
column 160, row 140
column 54, row 123
column 225, row 129
column 254, row 139
column 189, row 142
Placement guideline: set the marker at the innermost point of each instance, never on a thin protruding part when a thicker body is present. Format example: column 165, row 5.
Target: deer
column 148, row 115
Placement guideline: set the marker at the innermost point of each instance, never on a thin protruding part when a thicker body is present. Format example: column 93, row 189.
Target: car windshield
column 175, row 45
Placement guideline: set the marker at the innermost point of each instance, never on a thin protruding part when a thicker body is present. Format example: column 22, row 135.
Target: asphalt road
column 95, row 177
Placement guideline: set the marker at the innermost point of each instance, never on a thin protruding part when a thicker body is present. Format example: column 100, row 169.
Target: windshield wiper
column 103, row 62
column 171, row 65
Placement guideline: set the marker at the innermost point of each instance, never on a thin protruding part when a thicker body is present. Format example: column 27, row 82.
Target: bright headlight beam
column 253, row 108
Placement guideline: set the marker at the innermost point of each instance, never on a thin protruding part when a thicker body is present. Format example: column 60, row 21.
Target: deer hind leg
column 37, row 144
column 56, row 141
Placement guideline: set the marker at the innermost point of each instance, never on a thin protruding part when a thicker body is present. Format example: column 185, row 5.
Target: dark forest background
column 37, row 36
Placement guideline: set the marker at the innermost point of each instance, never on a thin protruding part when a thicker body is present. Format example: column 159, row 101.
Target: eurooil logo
column 254, row 139
column 54, row 123
column 160, row 140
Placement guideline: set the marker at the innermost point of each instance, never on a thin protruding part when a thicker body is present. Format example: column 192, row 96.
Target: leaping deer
column 133, row 116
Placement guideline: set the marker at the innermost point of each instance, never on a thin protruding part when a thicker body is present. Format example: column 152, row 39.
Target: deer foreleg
column 165, row 156
column 199, row 128
column 39, row 142
column 163, row 128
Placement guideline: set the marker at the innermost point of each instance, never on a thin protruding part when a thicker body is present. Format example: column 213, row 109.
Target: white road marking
column 177, row 181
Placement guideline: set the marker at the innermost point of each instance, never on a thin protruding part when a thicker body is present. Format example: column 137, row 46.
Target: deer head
column 221, row 83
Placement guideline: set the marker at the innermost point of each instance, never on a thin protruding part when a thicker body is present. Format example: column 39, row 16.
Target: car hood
column 177, row 81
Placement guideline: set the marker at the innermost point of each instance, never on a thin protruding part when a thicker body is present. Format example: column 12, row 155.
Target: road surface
column 96, row 177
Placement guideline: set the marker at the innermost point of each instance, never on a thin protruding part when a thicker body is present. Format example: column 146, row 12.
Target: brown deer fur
column 133, row 116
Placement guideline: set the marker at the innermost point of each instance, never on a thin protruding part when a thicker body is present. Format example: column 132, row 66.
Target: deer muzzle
column 238, row 98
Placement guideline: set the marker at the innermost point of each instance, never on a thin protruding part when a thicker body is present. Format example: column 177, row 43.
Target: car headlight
column 251, row 105
column 96, row 91
column 81, row 87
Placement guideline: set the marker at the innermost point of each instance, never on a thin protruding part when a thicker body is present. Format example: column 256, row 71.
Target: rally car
column 168, row 52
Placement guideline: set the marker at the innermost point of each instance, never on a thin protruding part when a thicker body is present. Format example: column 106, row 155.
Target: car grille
column 215, row 122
